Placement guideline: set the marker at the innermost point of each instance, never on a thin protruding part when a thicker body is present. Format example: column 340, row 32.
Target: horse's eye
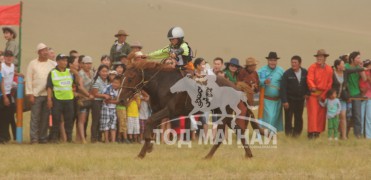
column 129, row 80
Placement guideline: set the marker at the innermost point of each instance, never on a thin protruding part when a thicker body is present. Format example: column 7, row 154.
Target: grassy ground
column 293, row 158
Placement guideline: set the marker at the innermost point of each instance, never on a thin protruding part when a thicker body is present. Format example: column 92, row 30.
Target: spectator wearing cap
column 294, row 91
column 36, row 76
column 319, row 81
column 120, row 46
column 51, row 55
column 365, row 86
column 270, row 77
column 231, row 69
column 86, row 75
column 11, row 43
column 60, row 98
column 7, row 116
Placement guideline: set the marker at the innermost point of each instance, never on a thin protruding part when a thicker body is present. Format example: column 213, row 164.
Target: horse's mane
column 147, row 65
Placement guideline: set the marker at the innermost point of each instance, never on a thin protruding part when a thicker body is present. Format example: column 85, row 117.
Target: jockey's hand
column 31, row 98
column 6, row 100
column 286, row 105
column 50, row 104
column 173, row 55
column 91, row 96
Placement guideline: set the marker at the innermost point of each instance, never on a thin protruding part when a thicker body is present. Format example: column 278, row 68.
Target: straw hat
column 321, row 52
column 121, row 32
column 250, row 61
column 136, row 44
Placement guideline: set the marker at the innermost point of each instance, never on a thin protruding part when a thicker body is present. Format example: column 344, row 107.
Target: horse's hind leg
column 150, row 123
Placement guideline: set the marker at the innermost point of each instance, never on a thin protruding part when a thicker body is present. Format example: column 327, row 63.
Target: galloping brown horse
column 156, row 79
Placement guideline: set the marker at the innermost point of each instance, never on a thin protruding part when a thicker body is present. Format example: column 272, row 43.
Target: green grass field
column 292, row 159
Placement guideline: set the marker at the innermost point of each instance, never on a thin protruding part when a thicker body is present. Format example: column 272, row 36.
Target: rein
column 137, row 88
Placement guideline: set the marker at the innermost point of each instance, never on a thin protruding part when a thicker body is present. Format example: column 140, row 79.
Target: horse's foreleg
column 241, row 126
column 217, row 142
column 150, row 123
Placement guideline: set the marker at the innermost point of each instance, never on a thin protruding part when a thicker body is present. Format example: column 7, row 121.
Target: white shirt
column 119, row 45
column 8, row 76
column 36, row 77
column 298, row 74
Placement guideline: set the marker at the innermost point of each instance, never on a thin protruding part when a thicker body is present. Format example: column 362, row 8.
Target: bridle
column 137, row 88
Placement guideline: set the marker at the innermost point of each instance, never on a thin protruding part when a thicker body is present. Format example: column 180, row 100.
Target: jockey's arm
column 159, row 54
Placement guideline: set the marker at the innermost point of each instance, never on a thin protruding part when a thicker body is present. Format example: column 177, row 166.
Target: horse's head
column 181, row 85
column 132, row 83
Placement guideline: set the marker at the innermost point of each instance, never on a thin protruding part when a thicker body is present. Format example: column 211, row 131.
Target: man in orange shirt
column 319, row 81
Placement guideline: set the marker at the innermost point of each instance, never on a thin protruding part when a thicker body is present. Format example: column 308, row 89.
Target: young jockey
column 177, row 49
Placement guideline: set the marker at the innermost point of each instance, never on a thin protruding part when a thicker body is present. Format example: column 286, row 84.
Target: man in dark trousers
column 294, row 90
column 60, row 98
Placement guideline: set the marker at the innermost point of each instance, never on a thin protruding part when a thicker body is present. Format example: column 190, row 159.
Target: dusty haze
column 239, row 28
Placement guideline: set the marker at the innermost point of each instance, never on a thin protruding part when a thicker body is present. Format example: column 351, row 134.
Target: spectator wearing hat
column 249, row 80
column 270, row 76
column 231, row 69
column 294, row 91
column 61, row 98
column 319, row 81
column 36, row 76
column 365, row 86
column 11, row 43
column 7, row 115
column 353, row 81
column 136, row 46
column 120, row 46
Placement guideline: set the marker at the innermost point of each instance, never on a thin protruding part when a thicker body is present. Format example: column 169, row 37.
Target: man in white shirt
column 36, row 77
column 7, row 114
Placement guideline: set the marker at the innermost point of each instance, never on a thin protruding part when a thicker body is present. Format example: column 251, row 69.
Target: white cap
column 138, row 54
column 87, row 59
column 41, row 46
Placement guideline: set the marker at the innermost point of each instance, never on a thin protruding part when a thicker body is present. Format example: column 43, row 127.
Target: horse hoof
column 207, row 158
column 140, row 156
column 248, row 156
column 150, row 148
